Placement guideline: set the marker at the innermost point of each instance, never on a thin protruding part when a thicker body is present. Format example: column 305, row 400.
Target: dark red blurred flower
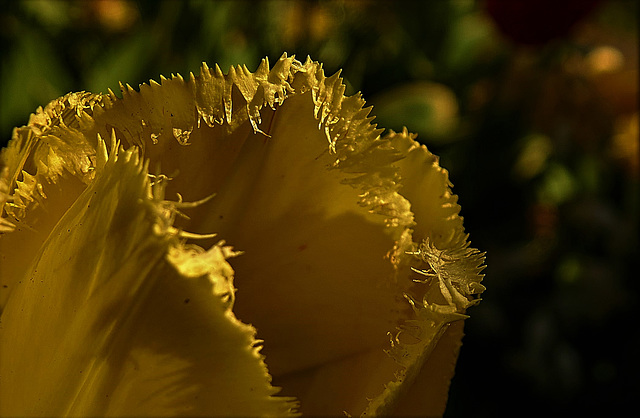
column 535, row 22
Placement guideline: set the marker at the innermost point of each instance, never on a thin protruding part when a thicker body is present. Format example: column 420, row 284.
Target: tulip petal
column 130, row 321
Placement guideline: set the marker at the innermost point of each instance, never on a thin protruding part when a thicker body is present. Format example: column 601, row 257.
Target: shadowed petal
column 127, row 320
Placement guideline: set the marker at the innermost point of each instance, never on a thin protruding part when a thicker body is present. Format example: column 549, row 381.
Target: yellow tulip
column 339, row 270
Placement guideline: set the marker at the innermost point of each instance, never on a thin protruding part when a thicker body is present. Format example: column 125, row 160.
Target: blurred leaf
column 533, row 156
column 470, row 37
column 31, row 76
column 53, row 14
column 123, row 61
column 429, row 109
column 558, row 185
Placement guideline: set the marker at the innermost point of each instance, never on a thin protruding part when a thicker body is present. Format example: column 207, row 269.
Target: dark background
column 532, row 106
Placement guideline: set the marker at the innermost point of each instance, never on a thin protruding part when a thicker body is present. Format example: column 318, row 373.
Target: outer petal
column 447, row 283
column 116, row 317
column 49, row 160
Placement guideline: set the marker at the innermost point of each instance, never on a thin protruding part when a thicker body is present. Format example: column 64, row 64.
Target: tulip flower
column 240, row 244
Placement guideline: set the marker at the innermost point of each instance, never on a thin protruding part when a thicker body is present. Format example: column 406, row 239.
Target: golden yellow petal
column 349, row 239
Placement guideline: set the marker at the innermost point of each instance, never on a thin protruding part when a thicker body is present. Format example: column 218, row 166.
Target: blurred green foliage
column 541, row 141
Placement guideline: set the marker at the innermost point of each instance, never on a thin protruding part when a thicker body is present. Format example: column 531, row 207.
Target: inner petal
column 314, row 279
